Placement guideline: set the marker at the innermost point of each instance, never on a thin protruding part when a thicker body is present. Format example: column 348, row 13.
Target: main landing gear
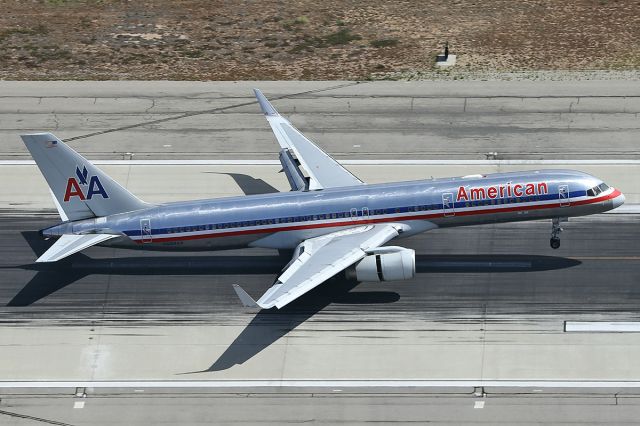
column 555, row 233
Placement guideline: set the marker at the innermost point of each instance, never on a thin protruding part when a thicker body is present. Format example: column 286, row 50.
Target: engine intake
column 385, row 264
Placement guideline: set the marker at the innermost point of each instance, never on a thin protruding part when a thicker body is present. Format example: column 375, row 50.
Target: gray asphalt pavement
column 368, row 120
column 475, row 272
column 142, row 408
column 488, row 303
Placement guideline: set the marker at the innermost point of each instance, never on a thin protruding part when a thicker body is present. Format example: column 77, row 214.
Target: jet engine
column 385, row 264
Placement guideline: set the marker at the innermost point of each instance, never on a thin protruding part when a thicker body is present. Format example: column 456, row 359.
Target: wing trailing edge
column 322, row 169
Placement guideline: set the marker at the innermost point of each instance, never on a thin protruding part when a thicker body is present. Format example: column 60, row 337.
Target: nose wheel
column 554, row 242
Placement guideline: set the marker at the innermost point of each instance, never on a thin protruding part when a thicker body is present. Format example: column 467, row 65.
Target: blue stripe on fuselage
column 293, row 220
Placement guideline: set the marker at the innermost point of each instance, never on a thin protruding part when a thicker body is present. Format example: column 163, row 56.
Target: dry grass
column 229, row 40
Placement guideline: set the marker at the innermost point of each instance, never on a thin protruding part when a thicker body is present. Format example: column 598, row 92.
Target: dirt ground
column 309, row 40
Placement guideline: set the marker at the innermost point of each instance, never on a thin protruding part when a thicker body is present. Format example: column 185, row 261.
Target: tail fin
column 81, row 189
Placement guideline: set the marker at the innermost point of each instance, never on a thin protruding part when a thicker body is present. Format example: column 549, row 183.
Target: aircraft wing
column 69, row 244
column 320, row 258
column 296, row 149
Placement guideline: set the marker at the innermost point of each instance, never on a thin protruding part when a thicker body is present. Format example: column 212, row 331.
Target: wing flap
column 291, row 168
column 321, row 258
column 323, row 171
column 69, row 244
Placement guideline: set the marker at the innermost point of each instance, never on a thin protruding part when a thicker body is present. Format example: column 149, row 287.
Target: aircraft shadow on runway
column 51, row 277
column 268, row 325
column 250, row 185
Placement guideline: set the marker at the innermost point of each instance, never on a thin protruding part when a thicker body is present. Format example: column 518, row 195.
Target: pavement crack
column 210, row 111
column 153, row 104
column 35, row 419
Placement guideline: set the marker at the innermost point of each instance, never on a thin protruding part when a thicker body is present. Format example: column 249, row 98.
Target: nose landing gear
column 554, row 242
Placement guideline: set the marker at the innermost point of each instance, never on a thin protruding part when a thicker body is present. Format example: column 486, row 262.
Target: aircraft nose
column 618, row 201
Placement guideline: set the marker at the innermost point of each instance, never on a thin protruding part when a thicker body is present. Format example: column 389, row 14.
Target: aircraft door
column 145, row 230
column 447, row 204
column 563, row 194
column 365, row 213
column 354, row 214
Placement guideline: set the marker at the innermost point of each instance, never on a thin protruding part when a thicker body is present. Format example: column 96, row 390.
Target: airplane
column 332, row 220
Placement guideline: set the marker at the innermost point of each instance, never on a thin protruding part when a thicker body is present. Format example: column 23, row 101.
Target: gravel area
column 310, row 40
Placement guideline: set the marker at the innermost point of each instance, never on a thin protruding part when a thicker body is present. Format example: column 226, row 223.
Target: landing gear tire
column 554, row 242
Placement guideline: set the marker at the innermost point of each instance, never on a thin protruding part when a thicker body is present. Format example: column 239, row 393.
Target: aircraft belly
column 291, row 239
column 460, row 219
column 199, row 244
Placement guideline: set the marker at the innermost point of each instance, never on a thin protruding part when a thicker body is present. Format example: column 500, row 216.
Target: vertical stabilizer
column 81, row 189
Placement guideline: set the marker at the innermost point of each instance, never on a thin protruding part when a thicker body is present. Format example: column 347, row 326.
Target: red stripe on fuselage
column 357, row 222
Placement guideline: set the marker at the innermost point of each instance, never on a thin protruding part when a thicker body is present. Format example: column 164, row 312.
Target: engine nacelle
column 385, row 264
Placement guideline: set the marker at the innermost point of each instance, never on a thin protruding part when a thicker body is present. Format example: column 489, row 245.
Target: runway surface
column 463, row 273
column 481, row 324
column 481, row 294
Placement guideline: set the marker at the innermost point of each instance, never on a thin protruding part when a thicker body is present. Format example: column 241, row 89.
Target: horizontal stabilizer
column 69, row 244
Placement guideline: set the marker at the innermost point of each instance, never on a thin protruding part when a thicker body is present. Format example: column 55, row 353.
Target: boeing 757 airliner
column 331, row 219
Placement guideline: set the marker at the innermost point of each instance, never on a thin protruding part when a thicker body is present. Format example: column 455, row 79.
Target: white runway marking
column 333, row 384
column 602, row 326
column 478, row 404
column 78, row 404
column 345, row 162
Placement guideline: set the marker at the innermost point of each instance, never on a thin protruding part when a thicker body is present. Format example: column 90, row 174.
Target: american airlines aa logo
column 88, row 189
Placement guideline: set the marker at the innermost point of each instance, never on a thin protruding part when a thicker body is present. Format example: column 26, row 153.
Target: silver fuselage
column 283, row 220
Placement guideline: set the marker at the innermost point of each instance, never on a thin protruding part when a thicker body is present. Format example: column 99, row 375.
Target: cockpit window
column 597, row 189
